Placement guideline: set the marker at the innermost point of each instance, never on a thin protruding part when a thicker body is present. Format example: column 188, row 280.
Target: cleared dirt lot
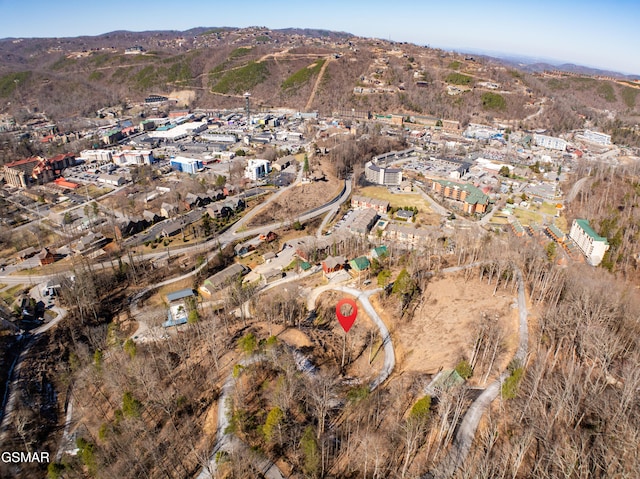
column 444, row 325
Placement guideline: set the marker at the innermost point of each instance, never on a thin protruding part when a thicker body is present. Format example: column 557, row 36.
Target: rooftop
column 474, row 195
column 181, row 294
column 584, row 224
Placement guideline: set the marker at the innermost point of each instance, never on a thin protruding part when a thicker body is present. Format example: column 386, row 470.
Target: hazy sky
column 600, row 34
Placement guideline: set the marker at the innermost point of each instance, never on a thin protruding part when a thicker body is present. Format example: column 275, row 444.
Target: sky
column 598, row 34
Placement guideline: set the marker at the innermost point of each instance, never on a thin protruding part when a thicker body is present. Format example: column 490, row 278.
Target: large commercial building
column 174, row 132
column 97, row 155
column 597, row 137
column 550, row 142
column 257, row 169
column 592, row 245
column 472, row 198
column 126, row 157
column 37, row 170
column 133, row 157
column 186, row 165
column 381, row 175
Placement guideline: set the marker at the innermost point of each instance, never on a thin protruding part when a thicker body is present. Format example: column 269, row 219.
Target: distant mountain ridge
column 305, row 69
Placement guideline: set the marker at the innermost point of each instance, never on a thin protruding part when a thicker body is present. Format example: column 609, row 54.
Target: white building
column 592, row 245
column 179, row 131
column 381, row 175
column 220, row 137
column 97, row 155
column 550, row 142
column 113, row 180
column 257, row 169
column 597, row 137
column 133, row 157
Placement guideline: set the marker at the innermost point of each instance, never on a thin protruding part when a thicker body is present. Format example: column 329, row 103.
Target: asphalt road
column 10, row 397
column 466, row 432
column 363, row 297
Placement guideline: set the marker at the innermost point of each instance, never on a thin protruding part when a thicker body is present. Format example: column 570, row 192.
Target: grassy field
column 498, row 220
column 97, row 191
column 396, row 200
column 548, row 208
column 527, row 217
column 9, row 295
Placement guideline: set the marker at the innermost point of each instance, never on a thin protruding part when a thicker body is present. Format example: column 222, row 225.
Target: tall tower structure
column 247, row 95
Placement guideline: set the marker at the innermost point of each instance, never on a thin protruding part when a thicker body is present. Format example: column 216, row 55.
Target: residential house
column 219, row 210
column 244, row 249
column 168, row 210
column 268, row 256
column 405, row 215
column 229, row 189
column 283, row 163
column 195, row 201
column 333, row 264
column 46, row 257
column 359, row 264
column 131, row 226
column 272, row 275
column 223, row 278
column 178, row 312
column 90, row 243
column 216, row 195
column 26, row 253
column 171, row 228
column 236, row 203
column 151, row 216
column 379, row 252
column 268, row 237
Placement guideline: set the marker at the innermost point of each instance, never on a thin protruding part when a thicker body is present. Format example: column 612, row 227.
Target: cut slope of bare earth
column 444, row 325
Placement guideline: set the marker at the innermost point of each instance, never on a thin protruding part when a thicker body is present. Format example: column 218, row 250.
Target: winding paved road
column 9, row 399
column 228, row 442
column 466, row 432
column 363, row 297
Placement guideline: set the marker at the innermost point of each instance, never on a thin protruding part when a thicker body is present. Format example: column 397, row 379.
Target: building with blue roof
column 178, row 312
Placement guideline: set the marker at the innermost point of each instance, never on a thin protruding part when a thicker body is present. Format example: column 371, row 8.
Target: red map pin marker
column 346, row 321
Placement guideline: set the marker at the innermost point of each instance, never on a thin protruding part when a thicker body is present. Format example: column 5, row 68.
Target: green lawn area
column 527, row 217
column 548, row 208
column 499, row 220
column 96, row 191
column 396, row 200
column 9, row 295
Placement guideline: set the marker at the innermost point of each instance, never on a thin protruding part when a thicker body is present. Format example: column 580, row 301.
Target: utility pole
column 247, row 95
